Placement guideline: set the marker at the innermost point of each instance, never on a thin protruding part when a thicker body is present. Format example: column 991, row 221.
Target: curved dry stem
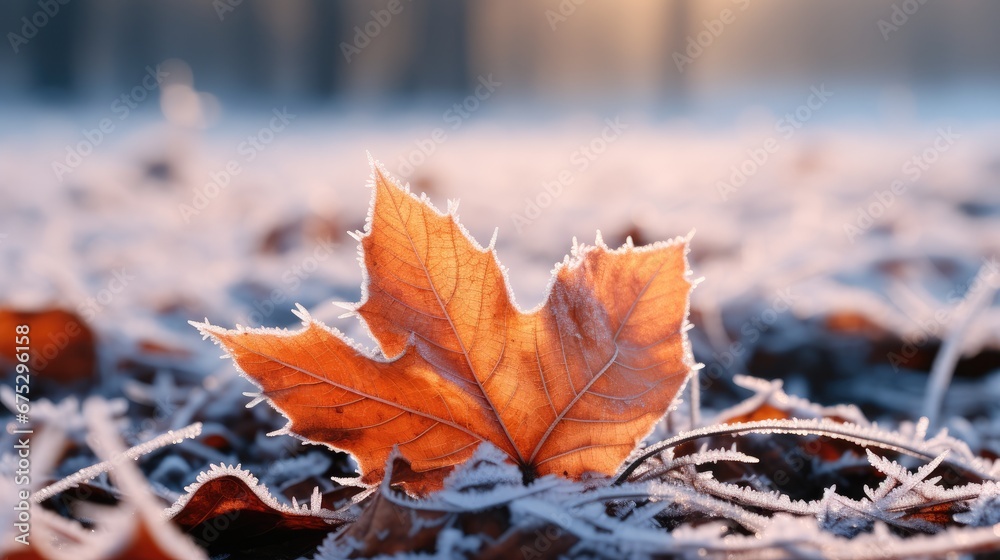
column 847, row 432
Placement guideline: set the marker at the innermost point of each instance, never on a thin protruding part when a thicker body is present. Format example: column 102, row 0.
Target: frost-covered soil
column 842, row 316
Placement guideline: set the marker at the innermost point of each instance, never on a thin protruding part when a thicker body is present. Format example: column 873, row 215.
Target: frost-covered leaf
column 907, row 500
column 488, row 468
column 567, row 388
column 227, row 510
column 475, row 497
column 984, row 511
column 837, row 515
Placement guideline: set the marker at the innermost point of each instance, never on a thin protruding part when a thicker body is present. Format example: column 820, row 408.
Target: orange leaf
column 569, row 387
column 228, row 510
column 63, row 348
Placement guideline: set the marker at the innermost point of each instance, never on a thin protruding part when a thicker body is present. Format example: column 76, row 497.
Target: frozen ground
column 275, row 235
column 789, row 227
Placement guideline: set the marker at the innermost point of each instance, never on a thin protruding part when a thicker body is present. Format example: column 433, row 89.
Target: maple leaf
column 569, row 387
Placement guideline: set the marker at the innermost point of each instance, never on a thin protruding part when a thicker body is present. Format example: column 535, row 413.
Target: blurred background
column 837, row 160
column 573, row 51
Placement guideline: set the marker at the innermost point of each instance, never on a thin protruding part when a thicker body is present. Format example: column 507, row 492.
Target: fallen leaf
column 227, row 511
column 387, row 528
column 62, row 346
column 475, row 501
column 302, row 230
column 567, row 388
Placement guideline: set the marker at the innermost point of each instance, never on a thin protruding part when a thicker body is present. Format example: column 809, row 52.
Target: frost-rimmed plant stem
column 865, row 437
column 694, row 394
column 88, row 473
column 947, row 357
